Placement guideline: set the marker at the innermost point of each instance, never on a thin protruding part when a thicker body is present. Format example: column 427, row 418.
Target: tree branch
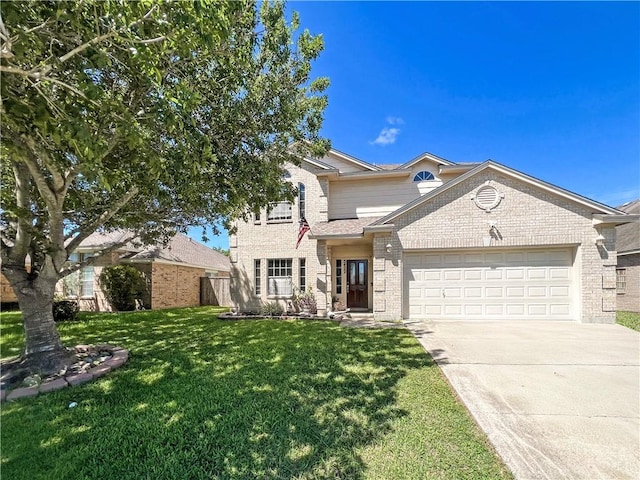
column 91, row 260
column 102, row 219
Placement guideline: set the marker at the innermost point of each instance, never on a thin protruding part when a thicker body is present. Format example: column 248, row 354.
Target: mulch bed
column 89, row 363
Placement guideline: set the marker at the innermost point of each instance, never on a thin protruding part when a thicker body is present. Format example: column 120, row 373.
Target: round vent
column 487, row 197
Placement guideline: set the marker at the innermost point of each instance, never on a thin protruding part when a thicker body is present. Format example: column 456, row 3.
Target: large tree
column 148, row 116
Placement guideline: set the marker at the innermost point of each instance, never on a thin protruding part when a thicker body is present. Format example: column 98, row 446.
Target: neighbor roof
column 180, row 249
column 628, row 235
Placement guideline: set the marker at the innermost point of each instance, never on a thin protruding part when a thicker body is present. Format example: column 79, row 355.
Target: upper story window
column 423, row 176
column 302, row 200
column 279, row 212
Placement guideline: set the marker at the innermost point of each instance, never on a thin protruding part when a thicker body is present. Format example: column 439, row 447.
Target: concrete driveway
column 556, row 399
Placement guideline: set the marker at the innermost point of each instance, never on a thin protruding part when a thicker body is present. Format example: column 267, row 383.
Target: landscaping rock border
column 73, row 376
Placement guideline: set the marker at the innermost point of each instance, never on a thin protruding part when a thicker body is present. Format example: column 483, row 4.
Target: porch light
column 600, row 240
column 388, row 248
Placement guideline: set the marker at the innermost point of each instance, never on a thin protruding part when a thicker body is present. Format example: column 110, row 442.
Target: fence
column 215, row 291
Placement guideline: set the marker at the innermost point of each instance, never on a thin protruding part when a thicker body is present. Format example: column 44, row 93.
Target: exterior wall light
column 388, row 248
column 600, row 240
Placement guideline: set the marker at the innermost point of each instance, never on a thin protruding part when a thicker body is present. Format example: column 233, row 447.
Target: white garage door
column 509, row 284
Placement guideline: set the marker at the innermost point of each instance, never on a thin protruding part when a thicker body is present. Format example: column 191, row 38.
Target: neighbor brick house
column 173, row 272
column 628, row 270
column 431, row 239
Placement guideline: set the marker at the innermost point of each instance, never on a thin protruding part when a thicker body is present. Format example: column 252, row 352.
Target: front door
column 357, row 292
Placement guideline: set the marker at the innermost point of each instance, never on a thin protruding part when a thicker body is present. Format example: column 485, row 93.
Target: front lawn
column 629, row 319
column 267, row 399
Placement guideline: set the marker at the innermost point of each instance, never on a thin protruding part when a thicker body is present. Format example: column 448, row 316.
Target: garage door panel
column 494, row 292
column 473, row 274
column 515, row 274
column 494, row 274
column 533, row 284
column 473, row 292
column 536, row 291
column 536, row 273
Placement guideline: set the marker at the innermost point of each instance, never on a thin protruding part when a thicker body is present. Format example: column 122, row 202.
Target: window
column 279, row 212
column 621, row 281
column 256, row 217
column 279, row 272
column 303, row 274
column 423, row 176
column 80, row 282
column 302, row 198
column 257, row 277
column 338, row 277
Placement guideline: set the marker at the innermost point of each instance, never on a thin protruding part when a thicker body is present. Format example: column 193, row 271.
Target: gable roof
column 356, row 161
column 180, row 249
column 628, row 235
column 490, row 164
column 426, row 156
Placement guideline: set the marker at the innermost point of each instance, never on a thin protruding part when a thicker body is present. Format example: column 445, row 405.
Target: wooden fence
column 215, row 291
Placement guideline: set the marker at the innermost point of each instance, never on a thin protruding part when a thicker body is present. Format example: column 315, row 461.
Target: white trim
column 425, row 156
column 629, row 252
column 355, row 161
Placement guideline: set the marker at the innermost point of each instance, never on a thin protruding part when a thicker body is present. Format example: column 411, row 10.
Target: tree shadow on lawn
column 208, row 399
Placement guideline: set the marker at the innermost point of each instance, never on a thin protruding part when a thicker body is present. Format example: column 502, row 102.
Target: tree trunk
column 44, row 352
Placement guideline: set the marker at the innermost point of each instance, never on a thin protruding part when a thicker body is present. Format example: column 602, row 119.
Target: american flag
column 304, row 228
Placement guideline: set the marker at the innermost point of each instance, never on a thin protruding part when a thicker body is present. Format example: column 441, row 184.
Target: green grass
column 629, row 319
column 204, row 398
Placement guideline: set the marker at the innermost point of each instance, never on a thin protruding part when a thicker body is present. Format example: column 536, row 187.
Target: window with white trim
column 303, row 274
column 257, row 276
column 279, row 277
column 79, row 283
column 338, row 277
column 423, row 176
column 302, row 199
column 279, row 212
column 621, row 281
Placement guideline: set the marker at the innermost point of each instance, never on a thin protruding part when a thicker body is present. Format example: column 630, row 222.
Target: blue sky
column 549, row 88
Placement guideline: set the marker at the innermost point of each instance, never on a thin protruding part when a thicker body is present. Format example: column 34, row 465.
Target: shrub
column 122, row 285
column 271, row 309
column 306, row 300
column 65, row 310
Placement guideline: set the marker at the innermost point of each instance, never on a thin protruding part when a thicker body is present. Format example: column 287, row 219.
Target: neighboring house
column 174, row 272
column 430, row 239
column 628, row 270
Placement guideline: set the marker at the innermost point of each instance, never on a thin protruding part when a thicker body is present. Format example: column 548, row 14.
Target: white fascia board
column 389, row 227
column 330, row 236
column 629, row 252
column 611, row 219
column 426, row 156
column 349, row 158
column 319, row 164
column 376, row 174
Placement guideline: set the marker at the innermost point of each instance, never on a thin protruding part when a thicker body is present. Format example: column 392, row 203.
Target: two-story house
column 430, row 239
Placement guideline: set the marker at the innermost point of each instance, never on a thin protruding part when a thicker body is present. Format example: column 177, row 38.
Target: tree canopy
column 149, row 116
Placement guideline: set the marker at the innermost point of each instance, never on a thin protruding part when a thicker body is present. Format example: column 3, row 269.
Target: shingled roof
column 346, row 227
column 628, row 235
column 180, row 249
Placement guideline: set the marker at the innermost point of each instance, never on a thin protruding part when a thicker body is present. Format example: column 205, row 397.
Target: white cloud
column 387, row 136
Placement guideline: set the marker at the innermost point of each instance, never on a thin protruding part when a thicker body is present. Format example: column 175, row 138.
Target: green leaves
column 194, row 105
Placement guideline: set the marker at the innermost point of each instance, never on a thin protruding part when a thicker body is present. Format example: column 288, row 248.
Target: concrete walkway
column 556, row 399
